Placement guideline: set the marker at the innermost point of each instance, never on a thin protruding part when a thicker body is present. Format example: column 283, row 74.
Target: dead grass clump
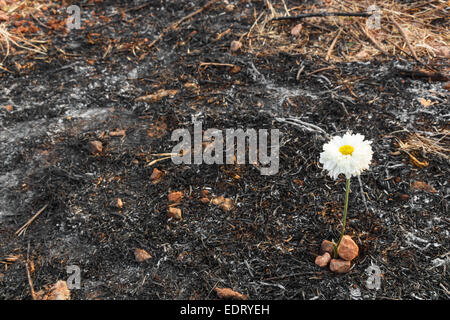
column 426, row 146
column 10, row 42
column 18, row 32
column 417, row 30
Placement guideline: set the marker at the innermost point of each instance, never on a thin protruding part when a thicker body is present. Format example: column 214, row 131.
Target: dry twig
column 408, row 43
column 330, row 50
column 372, row 39
column 23, row 229
column 323, row 14
column 30, row 280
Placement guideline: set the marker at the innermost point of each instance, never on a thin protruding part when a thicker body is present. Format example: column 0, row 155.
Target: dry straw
column 13, row 41
column 418, row 30
column 427, row 146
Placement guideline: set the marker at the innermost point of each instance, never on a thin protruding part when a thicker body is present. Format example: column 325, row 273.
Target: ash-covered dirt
column 265, row 247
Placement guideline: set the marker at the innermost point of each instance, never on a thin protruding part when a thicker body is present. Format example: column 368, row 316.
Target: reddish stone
column 175, row 196
column 218, row 200
column 348, row 250
column 95, row 147
column 117, row 133
column 141, row 255
column 339, row 265
column 156, row 174
column 175, row 213
column 227, row 293
column 327, row 246
column 322, row 261
column 227, row 204
column 420, row 185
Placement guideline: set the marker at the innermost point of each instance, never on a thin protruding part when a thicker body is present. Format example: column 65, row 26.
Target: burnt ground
column 266, row 245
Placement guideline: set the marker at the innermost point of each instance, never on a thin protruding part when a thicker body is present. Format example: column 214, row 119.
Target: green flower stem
column 347, row 191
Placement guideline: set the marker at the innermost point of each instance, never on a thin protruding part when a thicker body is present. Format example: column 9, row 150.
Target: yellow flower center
column 346, row 150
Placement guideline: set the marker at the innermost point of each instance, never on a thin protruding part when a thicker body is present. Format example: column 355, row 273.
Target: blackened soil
column 265, row 247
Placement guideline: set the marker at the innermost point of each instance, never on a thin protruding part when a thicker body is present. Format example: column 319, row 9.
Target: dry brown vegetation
column 400, row 25
column 405, row 29
column 18, row 32
column 427, row 146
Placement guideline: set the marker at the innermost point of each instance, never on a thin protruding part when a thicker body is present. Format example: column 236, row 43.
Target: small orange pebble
column 227, row 204
column 227, row 293
column 117, row 133
column 156, row 174
column 217, row 201
column 175, row 213
column 141, row 255
column 175, row 196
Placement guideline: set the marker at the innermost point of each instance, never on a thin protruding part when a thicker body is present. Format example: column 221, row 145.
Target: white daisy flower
column 350, row 155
